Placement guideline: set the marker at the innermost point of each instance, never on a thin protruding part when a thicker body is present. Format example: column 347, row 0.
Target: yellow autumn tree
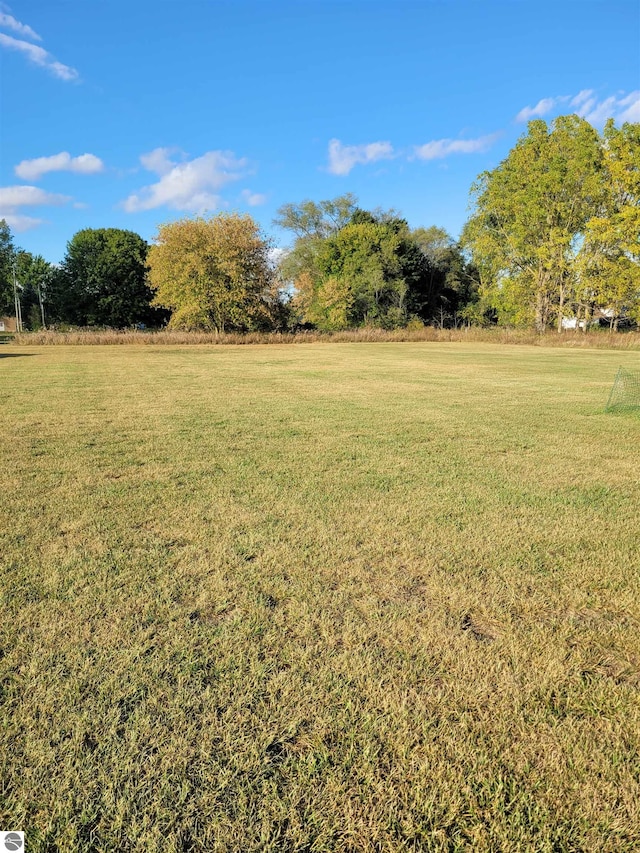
column 212, row 273
column 609, row 260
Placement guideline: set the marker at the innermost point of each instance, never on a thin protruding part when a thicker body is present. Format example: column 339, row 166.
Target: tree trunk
column 560, row 308
column 541, row 311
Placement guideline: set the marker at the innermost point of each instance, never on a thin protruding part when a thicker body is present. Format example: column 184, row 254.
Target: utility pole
column 41, row 302
column 16, row 300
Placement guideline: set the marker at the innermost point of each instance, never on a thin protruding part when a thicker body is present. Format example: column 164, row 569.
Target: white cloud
column 158, row 160
column 13, row 198
column 253, row 199
column 621, row 107
column 20, row 196
column 84, row 164
column 541, row 109
column 18, row 222
column 439, row 148
column 39, row 56
column 597, row 113
column 8, row 22
column 587, row 106
column 342, row 158
column 631, row 108
column 190, row 185
column 581, row 97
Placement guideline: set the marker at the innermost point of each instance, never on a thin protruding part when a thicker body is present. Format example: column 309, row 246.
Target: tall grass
column 600, row 339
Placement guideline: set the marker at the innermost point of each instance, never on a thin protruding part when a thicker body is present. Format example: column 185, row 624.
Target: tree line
column 554, row 234
column 348, row 267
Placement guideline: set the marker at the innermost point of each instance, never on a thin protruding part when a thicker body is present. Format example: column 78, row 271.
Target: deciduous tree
column 317, row 219
column 449, row 283
column 213, row 273
column 360, row 267
column 373, row 264
column 531, row 211
column 34, row 275
column 609, row 259
column 7, row 258
column 103, row 279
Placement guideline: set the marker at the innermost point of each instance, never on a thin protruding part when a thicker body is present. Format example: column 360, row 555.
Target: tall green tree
column 361, row 273
column 214, row 273
column 7, row 259
column 530, row 214
column 311, row 224
column 103, row 280
column 317, row 219
column 362, row 262
column 450, row 283
column 34, row 275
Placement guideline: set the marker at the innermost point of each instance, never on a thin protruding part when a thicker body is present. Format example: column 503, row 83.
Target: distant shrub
column 415, row 324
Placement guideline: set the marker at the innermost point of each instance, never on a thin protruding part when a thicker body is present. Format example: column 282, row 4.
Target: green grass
column 381, row 597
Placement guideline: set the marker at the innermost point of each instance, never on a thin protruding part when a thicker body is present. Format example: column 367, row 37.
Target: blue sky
column 130, row 114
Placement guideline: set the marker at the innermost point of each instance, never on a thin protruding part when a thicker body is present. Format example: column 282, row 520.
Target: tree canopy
column 359, row 267
column 103, row 280
column 7, row 258
column 317, row 219
column 34, row 276
column 608, row 263
column 213, row 273
column 555, row 226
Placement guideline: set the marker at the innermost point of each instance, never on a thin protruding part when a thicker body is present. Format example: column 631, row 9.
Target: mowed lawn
column 347, row 597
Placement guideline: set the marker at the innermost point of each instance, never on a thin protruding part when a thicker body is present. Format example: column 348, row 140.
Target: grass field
column 373, row 597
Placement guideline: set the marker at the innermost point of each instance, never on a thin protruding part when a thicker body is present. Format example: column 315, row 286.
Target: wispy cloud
column 630, row 108
column 342, row 158
column 18, row 222
column 581, row 97
column 39, row 56
column 543, row 107
column 8, row 22
column 84, row 164
column 253, row 199
column 190, row 185
column 439, row 148
column 16, row 197
column 622, row 107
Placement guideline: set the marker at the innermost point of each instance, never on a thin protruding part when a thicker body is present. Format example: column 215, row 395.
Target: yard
column 350, row 597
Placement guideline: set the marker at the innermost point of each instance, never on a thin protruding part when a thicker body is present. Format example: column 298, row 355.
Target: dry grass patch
column 107, row 337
